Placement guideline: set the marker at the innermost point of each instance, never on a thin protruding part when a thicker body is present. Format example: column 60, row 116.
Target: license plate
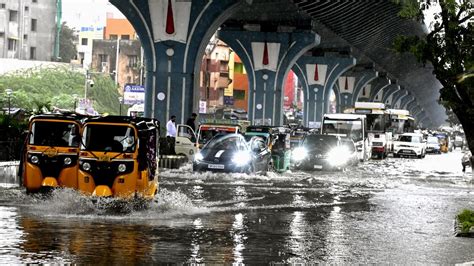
column 215, row 166
column 317, row 166
column 406, row 151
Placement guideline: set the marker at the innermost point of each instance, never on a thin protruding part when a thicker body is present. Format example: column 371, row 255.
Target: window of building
column 33, row 53
column 125, row 37
column 2, row 6
column 113, row 36
column 132, row 61
column 239, row 68
column 34, row 1
column 84, row 41
column 103, row 58
column 239, row 95
column 13, row 16
column 12, row 44
column 34, row 24
column 27, row 8
column 25, row 37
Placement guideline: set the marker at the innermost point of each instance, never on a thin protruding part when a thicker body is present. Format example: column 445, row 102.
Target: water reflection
column 238, row 234
column 195, row 247
column 336, row 239
column 10, row 235
column 83, row 242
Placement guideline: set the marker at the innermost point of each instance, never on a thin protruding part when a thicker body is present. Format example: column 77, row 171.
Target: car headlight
column 241, row 158
column 122, row 168
column 67, row 161
column 198, row 157
column 86, row 166
column 34, row 159
column 338, row 156
column 299, row 154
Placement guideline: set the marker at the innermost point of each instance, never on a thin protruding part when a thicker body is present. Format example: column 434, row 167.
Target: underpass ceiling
column 368, row 26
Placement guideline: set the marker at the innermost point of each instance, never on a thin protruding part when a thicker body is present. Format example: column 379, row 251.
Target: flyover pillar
column 405, row 100
column 268, row 57
column 318, row 75
column 351, row 84
column 378, row 86
column 174, row 35
column 398, row 96
column 388, row 94
column 363, row 87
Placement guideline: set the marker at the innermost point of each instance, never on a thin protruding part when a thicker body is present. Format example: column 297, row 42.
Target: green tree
column 449, row 48
column 67, row 48
column 42, row 87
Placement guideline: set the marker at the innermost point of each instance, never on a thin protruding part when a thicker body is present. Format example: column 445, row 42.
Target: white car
column 409, row 144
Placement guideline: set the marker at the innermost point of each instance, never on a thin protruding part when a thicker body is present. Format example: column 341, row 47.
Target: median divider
column 171, row 161
column 9, row 172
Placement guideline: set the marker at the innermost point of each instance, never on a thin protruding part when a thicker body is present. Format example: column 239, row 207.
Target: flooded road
column 392, row 211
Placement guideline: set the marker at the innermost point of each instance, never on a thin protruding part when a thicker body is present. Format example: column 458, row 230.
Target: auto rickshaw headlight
column 67, row 161
column 122, row 168
column 34, row 159
column 86, row 166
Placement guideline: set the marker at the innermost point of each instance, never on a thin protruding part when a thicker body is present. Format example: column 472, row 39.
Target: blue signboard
column 228, row 100
column 134, row 94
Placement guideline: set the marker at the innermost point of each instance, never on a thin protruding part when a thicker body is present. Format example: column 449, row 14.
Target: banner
column 133, row 94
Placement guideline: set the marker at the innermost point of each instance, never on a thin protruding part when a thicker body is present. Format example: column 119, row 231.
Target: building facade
column 104, row 60
column 27, row 29
column 117, row 28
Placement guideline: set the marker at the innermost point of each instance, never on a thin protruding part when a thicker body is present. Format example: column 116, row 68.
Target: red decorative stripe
column 265, row 55
column 170, row 19
column 316, row 74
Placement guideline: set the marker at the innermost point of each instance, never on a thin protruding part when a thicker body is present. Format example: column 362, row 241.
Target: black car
column 318, row 152
column 231, row 153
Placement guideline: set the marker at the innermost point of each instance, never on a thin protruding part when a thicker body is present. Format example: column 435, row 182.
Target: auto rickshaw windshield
column 108, row 138
column 55, row 134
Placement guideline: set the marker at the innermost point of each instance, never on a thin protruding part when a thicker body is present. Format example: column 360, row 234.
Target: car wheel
column 396, row 155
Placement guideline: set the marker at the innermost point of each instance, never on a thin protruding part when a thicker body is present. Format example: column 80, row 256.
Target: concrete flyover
column 175, row 33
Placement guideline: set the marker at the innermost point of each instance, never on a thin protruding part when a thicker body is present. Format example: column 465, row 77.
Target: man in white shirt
column 171, row 134
column 171, row 127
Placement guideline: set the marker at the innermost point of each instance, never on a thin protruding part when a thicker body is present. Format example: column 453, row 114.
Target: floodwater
column 393, row 211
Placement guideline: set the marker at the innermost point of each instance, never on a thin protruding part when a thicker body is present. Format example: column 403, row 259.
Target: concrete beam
column 268, row 57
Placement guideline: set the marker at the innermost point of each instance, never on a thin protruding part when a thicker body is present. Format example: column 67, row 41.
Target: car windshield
column 224, row 142
column 433, row 140
column 346, row 128
column 321, row 142
column 413, row 139
column 376, row 122
column 109, row 138
column 58, row 134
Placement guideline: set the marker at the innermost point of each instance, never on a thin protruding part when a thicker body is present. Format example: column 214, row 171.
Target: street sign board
column 133, row 94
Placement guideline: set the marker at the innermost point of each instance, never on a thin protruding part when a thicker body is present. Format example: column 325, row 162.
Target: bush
column 466, row 219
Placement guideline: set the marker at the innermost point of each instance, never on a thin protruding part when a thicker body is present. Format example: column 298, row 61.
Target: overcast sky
column 81, row 13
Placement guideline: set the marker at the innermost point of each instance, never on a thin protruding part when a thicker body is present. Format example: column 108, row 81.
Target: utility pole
column 117, row 53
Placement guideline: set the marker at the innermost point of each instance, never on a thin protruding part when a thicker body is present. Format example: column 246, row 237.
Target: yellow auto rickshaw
column 117, row 157
column 50, row 154
column 443, row 141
